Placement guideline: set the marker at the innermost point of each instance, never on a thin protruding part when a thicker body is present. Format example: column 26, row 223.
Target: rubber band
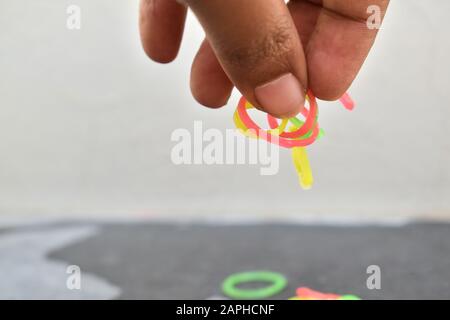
column 347, row 102
column 296, row 136
column 298, row 123
column 310, row 123
column 277, row 282
column 301, row 163
column 246, row 123
column 311, row 119
column 349, row 297
column 304, row 293
column 310, row 294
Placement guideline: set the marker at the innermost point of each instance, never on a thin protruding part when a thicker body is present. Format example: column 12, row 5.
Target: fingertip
column 209, row 100
column 207, row 89
column 287, row 115
column 327, row 92
column 161, row 55
column 283, row 97
column 210, row 85
column 161, row 25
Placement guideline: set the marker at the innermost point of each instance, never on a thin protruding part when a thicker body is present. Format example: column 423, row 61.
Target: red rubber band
column 310, row 119
column 284, row 139
column 347, row 101
column 273, row 122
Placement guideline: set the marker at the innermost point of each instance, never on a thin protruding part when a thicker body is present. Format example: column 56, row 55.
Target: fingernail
column 282, row 97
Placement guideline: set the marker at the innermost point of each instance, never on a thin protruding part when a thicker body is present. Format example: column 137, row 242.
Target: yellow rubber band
column 301, row 163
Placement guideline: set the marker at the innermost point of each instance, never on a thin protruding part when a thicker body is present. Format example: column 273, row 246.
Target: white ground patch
column 27, row 273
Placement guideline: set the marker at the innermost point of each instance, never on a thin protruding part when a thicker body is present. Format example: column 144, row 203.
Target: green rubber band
column 277, row 283
column 298, row 123
column 349, row 297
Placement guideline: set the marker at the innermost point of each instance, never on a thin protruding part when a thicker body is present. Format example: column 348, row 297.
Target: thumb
column 258, row 47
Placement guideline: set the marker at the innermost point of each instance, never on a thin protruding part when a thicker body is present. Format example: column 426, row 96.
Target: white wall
column 86, row 118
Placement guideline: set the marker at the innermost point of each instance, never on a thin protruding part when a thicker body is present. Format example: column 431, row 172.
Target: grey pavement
column 145, row 260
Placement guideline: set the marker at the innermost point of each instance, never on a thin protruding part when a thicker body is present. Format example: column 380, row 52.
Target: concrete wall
column 86, row 119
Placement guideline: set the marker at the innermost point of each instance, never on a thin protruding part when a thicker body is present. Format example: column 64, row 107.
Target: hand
column 271, row 51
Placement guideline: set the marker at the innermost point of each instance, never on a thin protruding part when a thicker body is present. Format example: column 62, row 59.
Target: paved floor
column 189, row 261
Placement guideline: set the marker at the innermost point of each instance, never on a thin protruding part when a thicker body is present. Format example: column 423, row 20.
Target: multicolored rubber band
column 299, row 135
column 284, row 139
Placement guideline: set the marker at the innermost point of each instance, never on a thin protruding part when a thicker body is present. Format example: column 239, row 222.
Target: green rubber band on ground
column 349, row 297
column 277, row 283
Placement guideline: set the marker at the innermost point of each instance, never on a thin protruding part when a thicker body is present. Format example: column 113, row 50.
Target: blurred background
column 86, row 120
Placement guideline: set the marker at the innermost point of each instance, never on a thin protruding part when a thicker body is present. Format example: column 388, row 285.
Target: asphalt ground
column 190, row 261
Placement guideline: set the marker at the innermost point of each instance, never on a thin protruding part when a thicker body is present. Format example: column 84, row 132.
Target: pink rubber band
column 273, row 122
column 310, row 119
column 284, row 139
column 304, row 134
column 347, row 101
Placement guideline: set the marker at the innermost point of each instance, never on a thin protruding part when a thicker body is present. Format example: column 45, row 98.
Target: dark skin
column 268, row 49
